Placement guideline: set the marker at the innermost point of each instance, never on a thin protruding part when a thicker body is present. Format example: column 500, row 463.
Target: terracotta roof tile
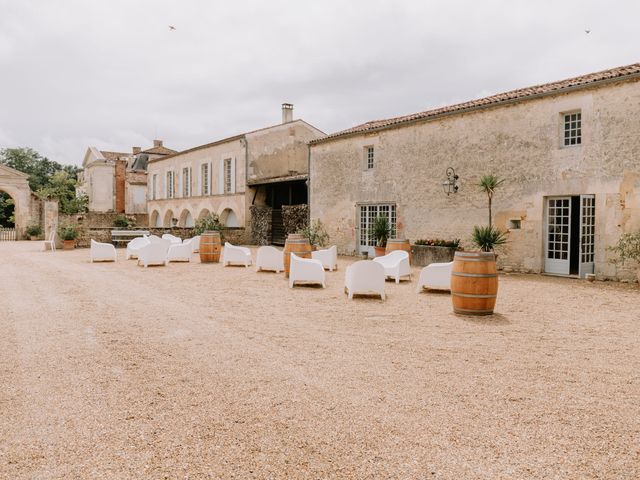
column 113, row 155
column 519, row 94
column 159, row 151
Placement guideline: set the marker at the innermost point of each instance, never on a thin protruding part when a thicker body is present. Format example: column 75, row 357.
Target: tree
column 488, row 184
column 62, row 187
column 7, row 210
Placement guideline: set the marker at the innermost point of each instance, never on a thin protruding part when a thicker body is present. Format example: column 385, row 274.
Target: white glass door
column 587, row 233
column 367, row 216
column 558, row 234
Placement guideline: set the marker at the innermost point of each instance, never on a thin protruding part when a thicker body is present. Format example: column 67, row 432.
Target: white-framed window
column 186, row 182
column 227, row 176
column 171, row 187
column 369, row 157
column 572, row 129
column 204, row 178
column 154, row 186
column 368, row 215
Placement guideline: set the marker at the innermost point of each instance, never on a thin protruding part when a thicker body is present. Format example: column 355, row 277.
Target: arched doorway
column 186, row 219
column 7, row 211
column 168, row 217
column 17, row 196
column 229, row 218
column 155, row 220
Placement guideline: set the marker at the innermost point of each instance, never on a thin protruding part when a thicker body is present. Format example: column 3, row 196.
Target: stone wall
column 295, row 217
column 260, row 224
column 521, row 143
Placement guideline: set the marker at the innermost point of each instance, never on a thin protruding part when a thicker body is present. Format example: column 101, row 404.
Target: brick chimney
column 136, row 150
column 287, row 112
column 157, row 143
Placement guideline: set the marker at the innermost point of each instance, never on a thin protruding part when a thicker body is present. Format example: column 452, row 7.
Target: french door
column 366, row 217
column 570, row 235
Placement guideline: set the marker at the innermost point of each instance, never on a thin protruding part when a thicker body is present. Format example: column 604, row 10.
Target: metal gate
column 7, row 234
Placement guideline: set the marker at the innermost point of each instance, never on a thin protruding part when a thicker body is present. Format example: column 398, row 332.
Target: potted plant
column 628, row 248
column 487, row 238
column 381, row 231
column 488, row 184
column 316, row 234
column 121, row 221
column 34, row 231
column 68, row 234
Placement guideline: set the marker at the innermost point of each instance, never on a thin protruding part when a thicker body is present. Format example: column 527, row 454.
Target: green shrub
column 34, row 230
column 121, row 221
column 210, row 222
column 627, row 248
column 68, row 232
column 487, row 238
column 316, row 234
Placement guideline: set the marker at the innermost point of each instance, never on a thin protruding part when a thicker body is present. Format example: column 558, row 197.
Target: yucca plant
column 488, row 184
column 487, row 238
column 381, row 230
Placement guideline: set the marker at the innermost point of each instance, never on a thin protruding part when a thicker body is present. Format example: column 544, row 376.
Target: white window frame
column 171, row 184
column 154, row 186
column 205, row 185
column 571, row 129
column 186, row 182
column 369, row 157
column 365, row 222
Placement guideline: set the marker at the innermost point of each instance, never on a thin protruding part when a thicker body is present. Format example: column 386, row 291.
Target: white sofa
column 306, row 270
column 171, row 238
column 269, row 258
column 364, row 277
column 155, row 253
column 396, row 264
column 328, row 257
column 232, row 254
column 102, row 252
column 180, row 252
column 133, row 247
column 436, row 276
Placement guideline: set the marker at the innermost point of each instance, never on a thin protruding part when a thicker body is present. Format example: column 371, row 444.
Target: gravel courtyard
column 198, row 371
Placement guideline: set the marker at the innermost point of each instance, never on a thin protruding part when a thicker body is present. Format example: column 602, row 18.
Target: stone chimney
column 157, row 143
column 287, row 112
column 136, row 150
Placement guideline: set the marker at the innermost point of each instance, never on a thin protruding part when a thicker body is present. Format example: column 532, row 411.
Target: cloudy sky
column 111, row 73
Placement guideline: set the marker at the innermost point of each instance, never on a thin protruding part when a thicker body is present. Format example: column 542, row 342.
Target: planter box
column 424, row 255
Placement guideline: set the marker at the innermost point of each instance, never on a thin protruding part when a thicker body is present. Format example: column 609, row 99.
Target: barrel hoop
column 469, row 311
column 465, row 260
column 474, row 275
column 473, row 295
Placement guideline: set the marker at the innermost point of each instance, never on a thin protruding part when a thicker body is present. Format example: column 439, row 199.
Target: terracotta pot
column 380, row 251
column 68, row 244
column 33, row 238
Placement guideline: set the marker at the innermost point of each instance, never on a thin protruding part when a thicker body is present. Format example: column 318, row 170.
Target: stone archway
column 16, row 185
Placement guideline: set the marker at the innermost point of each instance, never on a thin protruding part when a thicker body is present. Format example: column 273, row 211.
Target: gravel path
column 198, row 371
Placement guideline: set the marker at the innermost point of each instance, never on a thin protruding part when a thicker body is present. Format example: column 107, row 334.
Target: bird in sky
column 171, row 27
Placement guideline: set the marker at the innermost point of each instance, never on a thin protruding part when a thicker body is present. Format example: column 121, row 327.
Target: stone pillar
column 120, row 174
column 50, row 218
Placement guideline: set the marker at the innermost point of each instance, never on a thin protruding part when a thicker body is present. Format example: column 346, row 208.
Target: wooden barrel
column 298, row 244
column 210, row 247
column 474, row 283
column 399, row 244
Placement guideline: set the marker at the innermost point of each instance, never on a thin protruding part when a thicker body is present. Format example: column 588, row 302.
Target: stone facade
column 225, row 177
column 518, row 140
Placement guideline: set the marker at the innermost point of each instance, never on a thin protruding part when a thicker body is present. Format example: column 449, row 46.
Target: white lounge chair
column 134, row 246
column 153, row 238
column 396, row 264
column 436, row 276
column 51, row 242
column 171, row 238
column 180, row 252
column 234, row 254
column 364, row 277
column 102, row 252
column 155, row 253
column 195, row 244
column 328, row 257
column 269, row 258
column 306, row 270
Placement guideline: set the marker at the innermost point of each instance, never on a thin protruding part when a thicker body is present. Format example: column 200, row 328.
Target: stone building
column 264, row 167
column 117, row 181
column 569, row 152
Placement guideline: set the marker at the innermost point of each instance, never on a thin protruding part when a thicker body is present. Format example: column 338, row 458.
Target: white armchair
column 171, row 238
column 364, row 277
column 154, row 253
column 102, row 252
column 180, row 252
column 328, row 257
column 436, row 276
column 269, row 258
column 306, row 270
column 234, row 254
column 195, row 244
column 396, row 264
column 133, row 247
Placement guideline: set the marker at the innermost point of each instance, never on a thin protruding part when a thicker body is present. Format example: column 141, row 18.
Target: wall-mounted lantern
column 450, row 184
